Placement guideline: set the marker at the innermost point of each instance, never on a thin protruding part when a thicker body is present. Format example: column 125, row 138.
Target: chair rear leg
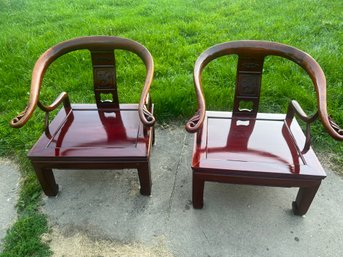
column 145, row 178
column 304, row 199
column 47, row 180
column 198, row 191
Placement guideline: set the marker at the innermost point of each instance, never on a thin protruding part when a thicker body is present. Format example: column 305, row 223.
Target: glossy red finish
column 87, row 131
column 255, row 151
column 90, row 138
column 249, row 146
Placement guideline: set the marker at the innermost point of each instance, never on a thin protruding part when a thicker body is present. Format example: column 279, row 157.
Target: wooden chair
column 104, row 135
column 247, row 147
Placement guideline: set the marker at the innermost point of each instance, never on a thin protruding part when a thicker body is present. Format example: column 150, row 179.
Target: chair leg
column 304, row 199
column 198, row 192
column 145, row 178
column 47, row 180
column 153, row 135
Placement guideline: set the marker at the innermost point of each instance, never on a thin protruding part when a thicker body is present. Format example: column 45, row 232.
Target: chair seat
column 89, row 133
column 259, row 146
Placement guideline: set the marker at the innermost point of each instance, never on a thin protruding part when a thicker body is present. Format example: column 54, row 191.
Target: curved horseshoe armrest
column 195, row 123
column 90, row 43
column 145, row 105
column 265, row 48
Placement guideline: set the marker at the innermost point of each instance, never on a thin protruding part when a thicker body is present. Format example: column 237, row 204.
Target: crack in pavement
column 175, row 177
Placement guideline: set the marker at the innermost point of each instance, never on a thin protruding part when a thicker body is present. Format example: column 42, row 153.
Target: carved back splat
column 248, row 85
column 104, row 75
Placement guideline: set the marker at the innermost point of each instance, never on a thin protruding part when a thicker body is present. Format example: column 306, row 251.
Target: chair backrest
column 251, row 54
column 104, row 71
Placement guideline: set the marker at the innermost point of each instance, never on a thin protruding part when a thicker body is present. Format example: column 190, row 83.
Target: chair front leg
column 304, row 199
column 46, row 179
column 198, row 191
column 145, row 178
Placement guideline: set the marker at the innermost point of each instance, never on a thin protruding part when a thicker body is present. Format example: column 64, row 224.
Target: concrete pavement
column 235, row 221
column 101, row 213
column 9, row 185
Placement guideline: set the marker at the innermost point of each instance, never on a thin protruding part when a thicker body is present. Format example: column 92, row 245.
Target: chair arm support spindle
column 294, row 108
column 62, row 98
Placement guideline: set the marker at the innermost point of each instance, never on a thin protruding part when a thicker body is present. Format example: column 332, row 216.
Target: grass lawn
column 175, row 32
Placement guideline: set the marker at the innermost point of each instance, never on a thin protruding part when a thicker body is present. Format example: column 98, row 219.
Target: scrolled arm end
column 194, row 123
column 335, row 126
column 18, row 121
column 146, row 117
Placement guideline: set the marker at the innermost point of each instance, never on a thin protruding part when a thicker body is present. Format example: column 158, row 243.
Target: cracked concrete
column 9, row 185
column 176, row 173
column 235, row 221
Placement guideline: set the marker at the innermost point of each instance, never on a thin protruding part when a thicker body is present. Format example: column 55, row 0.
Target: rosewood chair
column 247, row 147
column 104, row 135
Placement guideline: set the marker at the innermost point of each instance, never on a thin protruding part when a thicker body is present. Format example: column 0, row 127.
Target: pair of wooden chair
column 242, row 146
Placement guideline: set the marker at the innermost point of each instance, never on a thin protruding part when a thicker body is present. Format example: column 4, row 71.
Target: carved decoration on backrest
column 248, row 84
column 104, row 76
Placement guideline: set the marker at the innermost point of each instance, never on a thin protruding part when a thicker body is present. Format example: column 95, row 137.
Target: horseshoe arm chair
column 104, row 135
column 247, row 147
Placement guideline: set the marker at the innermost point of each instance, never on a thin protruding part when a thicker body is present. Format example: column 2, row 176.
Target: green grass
column 175, row 32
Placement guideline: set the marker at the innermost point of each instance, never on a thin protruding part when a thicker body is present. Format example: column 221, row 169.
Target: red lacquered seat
column 247, row 147
column 88, row 131
column 105, row 135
